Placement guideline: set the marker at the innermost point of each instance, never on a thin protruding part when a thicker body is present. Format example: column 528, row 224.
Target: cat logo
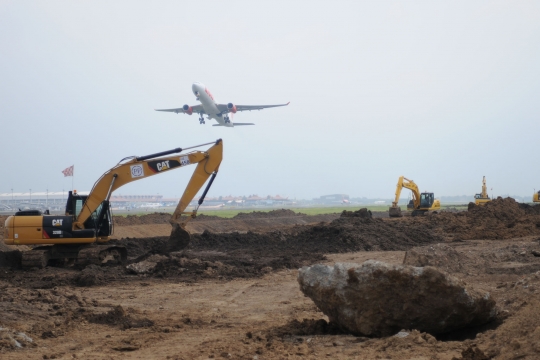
column 57, row 222
column 162, row 166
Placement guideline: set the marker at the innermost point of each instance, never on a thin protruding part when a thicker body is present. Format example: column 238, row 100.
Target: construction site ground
column 233, row 292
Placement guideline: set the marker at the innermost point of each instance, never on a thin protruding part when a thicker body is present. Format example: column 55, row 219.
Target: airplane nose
column 196, row 88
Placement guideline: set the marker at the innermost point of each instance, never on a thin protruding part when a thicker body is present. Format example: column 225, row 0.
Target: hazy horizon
column 442, row 93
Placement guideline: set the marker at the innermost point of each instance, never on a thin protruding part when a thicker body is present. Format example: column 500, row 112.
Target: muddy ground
column 234, row 294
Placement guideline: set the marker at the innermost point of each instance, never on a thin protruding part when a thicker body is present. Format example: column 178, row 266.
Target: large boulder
column 379, row 299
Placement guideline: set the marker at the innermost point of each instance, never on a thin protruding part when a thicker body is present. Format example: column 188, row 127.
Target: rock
column 142, row 267
column 379, row 299
column 402, row 334
column 147, row 266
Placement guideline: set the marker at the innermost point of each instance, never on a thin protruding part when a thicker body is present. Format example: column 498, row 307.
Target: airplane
column 213, row 110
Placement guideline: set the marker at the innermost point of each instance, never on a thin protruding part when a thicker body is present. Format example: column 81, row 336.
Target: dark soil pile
column 362, row 213
column 356, row 234
column 498, row 219
column 266, row 214
column 233, row 255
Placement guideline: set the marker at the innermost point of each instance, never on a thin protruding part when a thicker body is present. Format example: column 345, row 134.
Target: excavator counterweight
column 88, row 221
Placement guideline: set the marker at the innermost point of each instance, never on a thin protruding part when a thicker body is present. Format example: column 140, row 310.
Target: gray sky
column 441, row 92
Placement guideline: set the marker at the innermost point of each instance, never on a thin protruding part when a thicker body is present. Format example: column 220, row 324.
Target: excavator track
column 80, row 255
column 102, row 255
column 35, row 258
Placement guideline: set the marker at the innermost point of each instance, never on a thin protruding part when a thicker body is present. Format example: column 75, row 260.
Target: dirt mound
column 362, row 213
column 355, row 234
column 266, row 214
column 117, row 316
column 90, row 275
column 498, row 219
column 223, row 256
column 154, row 218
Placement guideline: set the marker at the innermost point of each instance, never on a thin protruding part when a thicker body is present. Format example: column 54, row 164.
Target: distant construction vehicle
column 88, row 220
column 482, row 198
column 420, row 204
column 536, row 197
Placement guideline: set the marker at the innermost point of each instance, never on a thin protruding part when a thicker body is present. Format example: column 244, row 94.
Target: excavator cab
column 100, row 220
column 536, row 197
column 426, row 200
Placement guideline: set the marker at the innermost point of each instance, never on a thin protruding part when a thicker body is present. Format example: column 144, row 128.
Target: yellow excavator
column 420, row 204
column 79, row 235
column 536, row 197
column 483, row 198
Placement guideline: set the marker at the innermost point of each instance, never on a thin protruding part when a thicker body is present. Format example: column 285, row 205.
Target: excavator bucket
column 178, row 240
column 395, row 212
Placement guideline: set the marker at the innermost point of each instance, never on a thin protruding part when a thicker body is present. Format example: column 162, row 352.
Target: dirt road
column 235, row 295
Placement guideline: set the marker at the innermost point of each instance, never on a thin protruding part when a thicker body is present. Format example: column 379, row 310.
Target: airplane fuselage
column 205, row 97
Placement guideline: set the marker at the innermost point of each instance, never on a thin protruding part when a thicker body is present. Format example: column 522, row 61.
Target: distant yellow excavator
column 536, row 197
column 420, row 204
column 483, row 198
column 79, row 235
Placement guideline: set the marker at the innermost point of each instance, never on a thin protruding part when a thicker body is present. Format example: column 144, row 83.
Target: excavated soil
column 498, row 219
column 234, row 294
column 157, row 224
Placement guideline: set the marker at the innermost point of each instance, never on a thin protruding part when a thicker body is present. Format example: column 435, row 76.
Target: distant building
column 332, row 199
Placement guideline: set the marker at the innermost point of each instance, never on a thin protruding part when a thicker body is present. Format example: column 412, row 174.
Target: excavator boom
column 483, row 197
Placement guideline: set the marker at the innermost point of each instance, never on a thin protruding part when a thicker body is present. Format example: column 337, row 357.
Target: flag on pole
column 68, row 171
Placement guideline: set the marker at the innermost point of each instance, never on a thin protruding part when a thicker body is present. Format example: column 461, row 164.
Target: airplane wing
column 224, row 109
column 196, row 109
column 235, row 124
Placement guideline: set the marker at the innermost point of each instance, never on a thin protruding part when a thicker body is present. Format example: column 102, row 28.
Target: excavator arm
column 403, row 182
column 137, row 168
column 484, row 189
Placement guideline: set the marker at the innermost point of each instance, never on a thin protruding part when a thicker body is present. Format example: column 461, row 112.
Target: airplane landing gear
column 227, row 120
column 201, row 120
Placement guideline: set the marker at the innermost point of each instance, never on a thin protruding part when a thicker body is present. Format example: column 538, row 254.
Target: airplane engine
column 231, row 107
column 187, row 109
